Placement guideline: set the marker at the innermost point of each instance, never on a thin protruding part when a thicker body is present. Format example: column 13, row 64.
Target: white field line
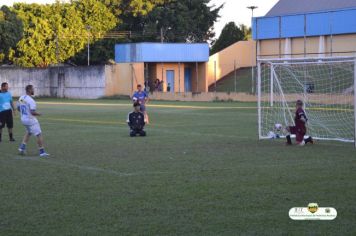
column 149, row 105
column 92, row 169
column 183, row 106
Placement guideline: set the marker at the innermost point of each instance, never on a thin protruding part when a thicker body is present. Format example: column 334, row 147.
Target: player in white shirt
column 27, row 108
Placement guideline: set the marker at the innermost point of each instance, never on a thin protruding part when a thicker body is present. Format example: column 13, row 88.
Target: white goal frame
column 299, row 61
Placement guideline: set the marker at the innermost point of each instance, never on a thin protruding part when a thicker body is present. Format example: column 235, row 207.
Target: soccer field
column 200, row 171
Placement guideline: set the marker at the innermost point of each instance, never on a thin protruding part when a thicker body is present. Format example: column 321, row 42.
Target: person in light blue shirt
column 7, row 109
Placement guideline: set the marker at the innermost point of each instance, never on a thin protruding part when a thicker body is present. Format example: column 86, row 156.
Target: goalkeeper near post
column 300, row 128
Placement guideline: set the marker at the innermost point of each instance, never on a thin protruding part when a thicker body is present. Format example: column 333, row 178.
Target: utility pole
column 252, row 8
column 88, row 27
column 57, row 49
column 163, row 32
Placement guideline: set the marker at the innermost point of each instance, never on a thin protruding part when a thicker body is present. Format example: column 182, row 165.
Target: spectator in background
column 147, row 86
column 160, row 86
column 157, row 85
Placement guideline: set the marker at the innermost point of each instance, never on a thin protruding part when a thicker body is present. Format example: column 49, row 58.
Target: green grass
column 227, row 84
column 200, row 171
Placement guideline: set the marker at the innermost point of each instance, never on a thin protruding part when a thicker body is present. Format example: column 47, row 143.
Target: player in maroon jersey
column 300, row 128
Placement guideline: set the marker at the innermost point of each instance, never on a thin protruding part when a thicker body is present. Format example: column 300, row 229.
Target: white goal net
column 325, row 85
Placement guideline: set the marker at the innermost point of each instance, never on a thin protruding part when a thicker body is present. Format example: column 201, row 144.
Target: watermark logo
column 313, row 207
column 312, row 212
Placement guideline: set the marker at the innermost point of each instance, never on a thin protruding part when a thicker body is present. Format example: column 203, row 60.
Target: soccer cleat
column 44, row 154
column 22, row 152
column 301, row 144
column 309, row 140
column 12, row 140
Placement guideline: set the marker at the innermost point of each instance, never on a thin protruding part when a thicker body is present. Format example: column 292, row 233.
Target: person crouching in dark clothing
column 136, row 121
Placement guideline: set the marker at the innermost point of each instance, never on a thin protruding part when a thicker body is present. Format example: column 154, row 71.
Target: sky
column 234, row 10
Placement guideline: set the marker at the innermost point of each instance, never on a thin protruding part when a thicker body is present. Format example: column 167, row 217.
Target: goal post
column 326, row 85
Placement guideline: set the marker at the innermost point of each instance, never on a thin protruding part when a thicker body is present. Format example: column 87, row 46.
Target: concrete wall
column 19, row 78
column 240, row 54
column 70, row 82
column 337, row 45
column 75, row 82
column 122, row 79
column 204, row 97
column 81, row 82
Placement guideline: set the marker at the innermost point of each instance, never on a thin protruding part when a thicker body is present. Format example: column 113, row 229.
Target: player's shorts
column 142, row 108
column 34, row 129
column 6, row 118
column 299, row 133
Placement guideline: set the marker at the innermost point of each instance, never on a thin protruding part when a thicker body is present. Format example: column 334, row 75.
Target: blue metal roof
column 308, row 24
column 161, row 52
column 288, row 7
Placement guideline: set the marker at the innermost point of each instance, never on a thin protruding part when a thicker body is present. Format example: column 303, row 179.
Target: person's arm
column 33, row 108
column 302, row 116
column 35, row 113
column 13, row 107
column 129, row 120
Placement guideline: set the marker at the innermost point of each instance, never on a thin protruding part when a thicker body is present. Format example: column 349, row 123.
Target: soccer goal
column 325, row 85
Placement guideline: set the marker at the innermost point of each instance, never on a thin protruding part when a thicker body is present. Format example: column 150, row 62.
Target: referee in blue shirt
column 6, row 109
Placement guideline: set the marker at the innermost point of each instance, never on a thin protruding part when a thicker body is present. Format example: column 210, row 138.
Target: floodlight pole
column 252, row 8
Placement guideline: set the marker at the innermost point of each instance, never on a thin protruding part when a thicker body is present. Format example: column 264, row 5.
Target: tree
column 56, row 32
column 247, row 31
column 134, row 7
column 102, row 50
column 230, row 34
column 10, row 32
column 178, row 21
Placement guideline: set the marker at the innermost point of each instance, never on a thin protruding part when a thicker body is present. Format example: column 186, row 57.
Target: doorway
column 187, row 79
column 170, row 80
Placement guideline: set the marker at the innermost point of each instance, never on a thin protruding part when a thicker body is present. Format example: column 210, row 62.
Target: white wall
column 69, row 82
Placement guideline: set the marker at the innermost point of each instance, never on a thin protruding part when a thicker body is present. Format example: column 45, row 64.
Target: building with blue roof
column 307, row 28
column 179, row 67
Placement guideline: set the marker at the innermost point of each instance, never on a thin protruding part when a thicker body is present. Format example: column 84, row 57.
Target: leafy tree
column 134, row 7
column 10, row 32
column 56, row 32
column 102, row 51
column 178, row 21
column 247, row 31
column 230, row 34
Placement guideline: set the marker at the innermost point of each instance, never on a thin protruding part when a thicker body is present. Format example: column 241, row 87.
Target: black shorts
column 6, row 118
